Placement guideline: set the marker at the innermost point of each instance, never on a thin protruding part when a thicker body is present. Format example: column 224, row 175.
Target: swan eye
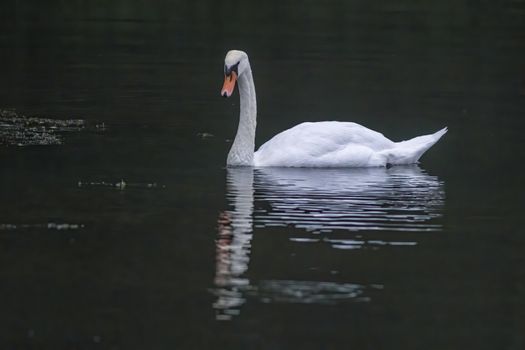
column 234, row 68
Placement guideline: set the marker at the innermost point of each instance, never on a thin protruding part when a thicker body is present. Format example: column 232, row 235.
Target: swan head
column 235, row 64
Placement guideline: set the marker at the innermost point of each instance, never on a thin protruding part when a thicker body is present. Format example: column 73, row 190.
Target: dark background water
column 140, row 267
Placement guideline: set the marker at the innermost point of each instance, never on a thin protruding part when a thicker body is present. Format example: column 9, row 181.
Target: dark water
column 130, row 233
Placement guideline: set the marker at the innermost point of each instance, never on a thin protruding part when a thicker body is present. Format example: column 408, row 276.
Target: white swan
column 320, row 144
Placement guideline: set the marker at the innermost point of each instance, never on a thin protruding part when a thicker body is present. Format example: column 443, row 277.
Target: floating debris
column 120, row 185
column 102, row 126
column 205, row 135
column 19, row 130
column 49, row 226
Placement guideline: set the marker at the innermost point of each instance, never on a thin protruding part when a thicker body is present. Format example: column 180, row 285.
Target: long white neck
column 241, row 153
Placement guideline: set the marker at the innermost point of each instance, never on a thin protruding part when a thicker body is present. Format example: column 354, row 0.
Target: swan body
column 319, row 144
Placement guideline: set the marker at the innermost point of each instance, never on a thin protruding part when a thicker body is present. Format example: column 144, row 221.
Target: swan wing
column 324, row 144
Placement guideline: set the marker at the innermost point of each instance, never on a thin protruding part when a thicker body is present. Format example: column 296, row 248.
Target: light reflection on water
column 319, row 201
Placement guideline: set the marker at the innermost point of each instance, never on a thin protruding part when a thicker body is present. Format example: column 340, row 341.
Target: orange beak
column 229, row 84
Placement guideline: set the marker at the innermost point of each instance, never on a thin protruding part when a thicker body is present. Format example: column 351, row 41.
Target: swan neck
column 241, row 153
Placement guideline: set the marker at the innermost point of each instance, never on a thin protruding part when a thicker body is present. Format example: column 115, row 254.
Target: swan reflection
column 350, row 202
column 396, row 199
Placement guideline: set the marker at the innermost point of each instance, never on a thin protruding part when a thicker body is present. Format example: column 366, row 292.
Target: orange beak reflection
column 229, row 84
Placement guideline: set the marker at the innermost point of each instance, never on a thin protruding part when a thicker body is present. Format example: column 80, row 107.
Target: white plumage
column 319, row 144
column 339, row 144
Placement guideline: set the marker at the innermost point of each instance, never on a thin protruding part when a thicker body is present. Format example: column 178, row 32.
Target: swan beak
column 229, row 84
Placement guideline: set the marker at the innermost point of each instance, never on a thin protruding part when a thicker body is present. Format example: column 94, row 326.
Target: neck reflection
column 233, row 243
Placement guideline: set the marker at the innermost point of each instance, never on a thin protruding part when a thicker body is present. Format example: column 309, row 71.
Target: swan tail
column 409, row 152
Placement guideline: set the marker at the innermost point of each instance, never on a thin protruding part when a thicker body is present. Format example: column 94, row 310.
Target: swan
column 319, row 144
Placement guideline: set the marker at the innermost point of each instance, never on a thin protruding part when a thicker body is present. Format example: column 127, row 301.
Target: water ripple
column 322, row 200
column 311, row 292
column 229, row 300
column 342, row 208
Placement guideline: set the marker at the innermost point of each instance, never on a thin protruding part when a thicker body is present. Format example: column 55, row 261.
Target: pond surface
column 120, row 226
